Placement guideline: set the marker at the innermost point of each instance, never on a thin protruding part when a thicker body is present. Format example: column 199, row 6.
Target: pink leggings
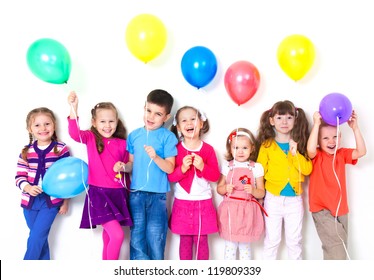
column 186, row 247
column 113, row 237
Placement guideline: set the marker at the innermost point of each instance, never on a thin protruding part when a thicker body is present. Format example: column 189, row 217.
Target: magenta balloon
column 335, row 108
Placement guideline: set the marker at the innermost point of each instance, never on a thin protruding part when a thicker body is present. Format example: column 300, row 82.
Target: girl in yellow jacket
column 282, row 138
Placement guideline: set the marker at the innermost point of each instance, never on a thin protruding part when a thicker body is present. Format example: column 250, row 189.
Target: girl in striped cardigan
column 39, row 208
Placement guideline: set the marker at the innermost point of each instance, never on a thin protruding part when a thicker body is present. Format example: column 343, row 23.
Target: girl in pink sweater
column 193, row 214
column 106, row 202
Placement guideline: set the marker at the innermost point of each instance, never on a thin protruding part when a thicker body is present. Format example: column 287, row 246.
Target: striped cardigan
column 33, row 170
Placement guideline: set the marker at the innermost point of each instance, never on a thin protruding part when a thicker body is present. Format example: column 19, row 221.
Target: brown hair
column 299, row 133
column 161, row 98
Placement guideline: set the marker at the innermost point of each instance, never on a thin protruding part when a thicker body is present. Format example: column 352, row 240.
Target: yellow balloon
column 146, row 37
column 296, row 55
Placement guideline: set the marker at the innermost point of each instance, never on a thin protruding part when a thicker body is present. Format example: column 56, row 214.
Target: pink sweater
column 210, row 172
column 100, row 166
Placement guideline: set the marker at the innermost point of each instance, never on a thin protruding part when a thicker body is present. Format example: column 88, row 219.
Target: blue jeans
column 150, row 225
column 39, row 219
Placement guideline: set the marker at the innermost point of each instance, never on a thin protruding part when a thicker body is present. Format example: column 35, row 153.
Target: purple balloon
column 334, row 108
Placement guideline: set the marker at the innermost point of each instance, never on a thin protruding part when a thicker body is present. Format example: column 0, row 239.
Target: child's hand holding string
column 293, row 147
column 150, row 151
column 118, row 166
column 187, row 162
column 229, row 189
column 73, row 102
column 198, row 161
column 248, row 188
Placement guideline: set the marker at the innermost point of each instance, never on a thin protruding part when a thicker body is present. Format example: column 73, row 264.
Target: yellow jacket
column 281, row 169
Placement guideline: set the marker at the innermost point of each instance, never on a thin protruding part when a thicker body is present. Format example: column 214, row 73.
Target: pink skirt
column 190, row 217
column 240, row 220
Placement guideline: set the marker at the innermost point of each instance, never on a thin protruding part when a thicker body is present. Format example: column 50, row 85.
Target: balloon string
column 84, row 184
column 150, row 162
column 199, row 234
column 231, row 182
column 340, row 188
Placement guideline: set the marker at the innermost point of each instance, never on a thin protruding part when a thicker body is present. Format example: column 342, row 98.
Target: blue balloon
column 199, row 66
column 335, row 108
column 66, row 178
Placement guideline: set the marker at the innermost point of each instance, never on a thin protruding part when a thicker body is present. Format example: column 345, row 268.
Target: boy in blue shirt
column 152, row 151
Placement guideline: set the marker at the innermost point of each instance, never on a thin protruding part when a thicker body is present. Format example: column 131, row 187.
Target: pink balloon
column 241, row 81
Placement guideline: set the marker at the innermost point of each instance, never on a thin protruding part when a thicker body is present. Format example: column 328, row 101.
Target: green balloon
column 49, row 60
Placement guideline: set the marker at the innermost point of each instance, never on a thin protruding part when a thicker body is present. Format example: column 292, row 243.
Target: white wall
column 103, row 69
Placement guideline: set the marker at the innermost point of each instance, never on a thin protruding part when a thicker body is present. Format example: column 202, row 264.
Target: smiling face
column 328, row 139
column 105, row 122
column 42, row 127
column 189, row 123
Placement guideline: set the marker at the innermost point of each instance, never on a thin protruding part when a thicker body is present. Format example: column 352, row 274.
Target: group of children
column 260, row 181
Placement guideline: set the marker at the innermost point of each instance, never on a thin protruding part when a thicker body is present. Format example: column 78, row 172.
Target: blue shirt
column 146, row 175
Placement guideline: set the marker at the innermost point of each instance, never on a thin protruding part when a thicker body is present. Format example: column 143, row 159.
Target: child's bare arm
column 313, row 137
column 360, row 149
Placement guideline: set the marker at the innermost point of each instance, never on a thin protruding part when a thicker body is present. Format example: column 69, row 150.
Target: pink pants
column 113, row 237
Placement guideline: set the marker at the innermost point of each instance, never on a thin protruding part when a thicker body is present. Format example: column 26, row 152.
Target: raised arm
column 73, row 102
column 313, row 137
column 360, row 149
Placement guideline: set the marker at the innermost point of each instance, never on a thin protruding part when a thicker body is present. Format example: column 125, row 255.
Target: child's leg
column 273, row 225
column 185, row 247
column 202, row 247
column 157, row 225
column 116, row 235
column 230, row 250
column 245, row 251
column 106, row 239
column 138, row 244
column 333, row 234
column 39, row 223
column 293, row 225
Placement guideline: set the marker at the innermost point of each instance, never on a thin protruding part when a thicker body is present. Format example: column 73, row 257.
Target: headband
column 239, row 133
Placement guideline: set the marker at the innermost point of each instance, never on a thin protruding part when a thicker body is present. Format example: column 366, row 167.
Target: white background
column 103, row 69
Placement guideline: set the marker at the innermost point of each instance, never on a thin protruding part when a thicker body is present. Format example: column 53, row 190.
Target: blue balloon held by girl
column 66, row 178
